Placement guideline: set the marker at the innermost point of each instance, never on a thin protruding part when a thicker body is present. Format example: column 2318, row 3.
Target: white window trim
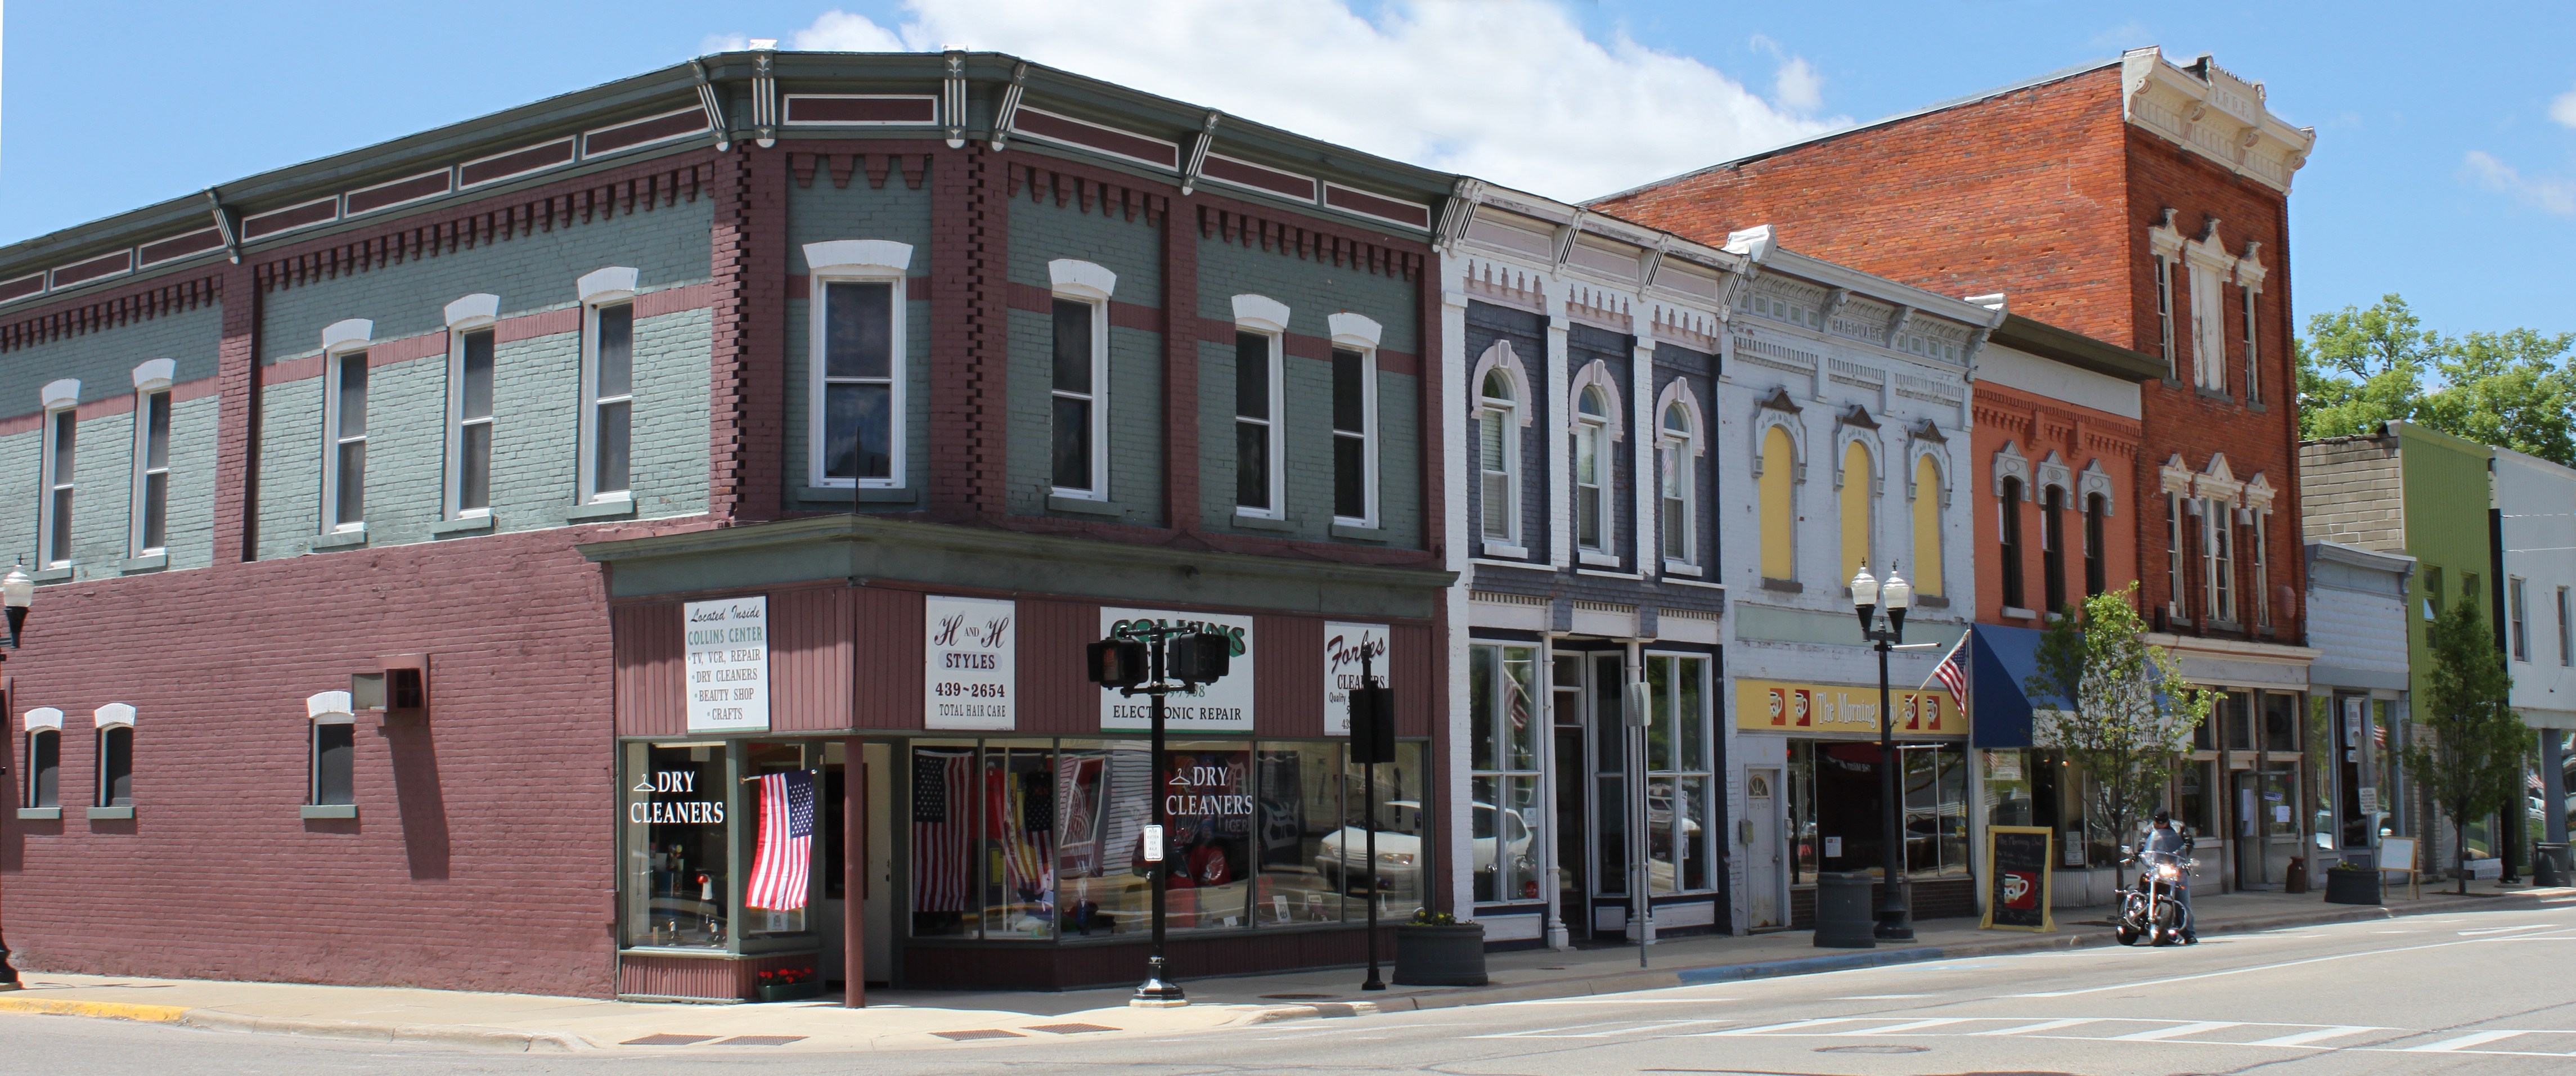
column 856, row 261
column 599, row 290
column 1092, row 284
column 2165, row 313
column 150, row 379
column 1368, row 433
column 2517, row 607
column 2262, row 568
column 61, row 405
column 475, row 313
column 2253, row 368
column 1685, row 451
column 2566, row 643
column 1506, row 414
column 1263, row 316
column 341, row 341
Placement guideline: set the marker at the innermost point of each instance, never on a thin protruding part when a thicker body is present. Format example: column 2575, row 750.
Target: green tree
column 2471, row 763
column 2122, row 712
column 2360, row 368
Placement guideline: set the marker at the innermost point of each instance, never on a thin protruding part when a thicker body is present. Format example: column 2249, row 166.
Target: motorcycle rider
column 2167, row 844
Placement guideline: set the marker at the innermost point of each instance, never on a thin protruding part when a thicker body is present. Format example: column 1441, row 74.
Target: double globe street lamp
column 18, row 592
column 1895, row 922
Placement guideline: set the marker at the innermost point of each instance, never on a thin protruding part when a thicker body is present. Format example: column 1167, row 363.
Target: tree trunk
column 2460, row 845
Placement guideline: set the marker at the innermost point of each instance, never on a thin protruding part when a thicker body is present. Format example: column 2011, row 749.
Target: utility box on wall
column 397, row 688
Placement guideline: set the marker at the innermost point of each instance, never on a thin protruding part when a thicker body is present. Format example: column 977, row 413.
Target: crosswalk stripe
column 2174, row 1032
column 1908, row 1026
column 1767, row 1028
column 2480, row 1038
column 2305, row 1037
column 2044, row 1025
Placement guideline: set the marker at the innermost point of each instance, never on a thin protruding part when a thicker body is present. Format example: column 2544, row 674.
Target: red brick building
column 2139, row 202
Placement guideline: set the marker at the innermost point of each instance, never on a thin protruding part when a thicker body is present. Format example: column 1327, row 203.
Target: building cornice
column 2211, row 111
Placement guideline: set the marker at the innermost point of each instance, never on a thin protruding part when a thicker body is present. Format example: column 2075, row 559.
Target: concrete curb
column 1723, row 973
column 471, row 1038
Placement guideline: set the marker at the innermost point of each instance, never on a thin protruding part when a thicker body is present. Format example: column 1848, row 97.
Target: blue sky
column 2440, row 170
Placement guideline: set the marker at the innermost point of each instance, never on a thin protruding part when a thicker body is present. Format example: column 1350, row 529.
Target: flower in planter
column 1425, row 917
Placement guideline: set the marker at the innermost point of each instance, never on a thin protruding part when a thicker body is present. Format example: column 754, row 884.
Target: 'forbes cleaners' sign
column 1225, row 705
column 728, row 647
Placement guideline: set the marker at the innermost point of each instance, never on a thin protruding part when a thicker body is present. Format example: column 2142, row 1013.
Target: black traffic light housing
column 1372, row 724
column 1116, row 662
column 1201, row 658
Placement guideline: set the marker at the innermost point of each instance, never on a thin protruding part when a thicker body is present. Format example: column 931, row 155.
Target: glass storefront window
column 1507, row 817
column 1101, row 788
column 1934, row 782
column 2234, row 720
column 1678, row 819
column 1018, row 842
column 677, row 843
column 1300, row 807
column 1208, row 802
column 761, row 759
column 1805, row 856
column 943, row 830
column 2280, row 723
column 1402, row 824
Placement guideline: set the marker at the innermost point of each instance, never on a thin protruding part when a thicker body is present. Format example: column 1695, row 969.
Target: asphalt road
column 2476, row 992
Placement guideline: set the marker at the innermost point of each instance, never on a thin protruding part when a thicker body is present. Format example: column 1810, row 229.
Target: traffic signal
column 1372, row 724
column 1201, row 658
column 1116, row 662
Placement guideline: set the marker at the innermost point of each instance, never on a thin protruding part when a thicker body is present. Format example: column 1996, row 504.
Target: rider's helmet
column 2164, row 817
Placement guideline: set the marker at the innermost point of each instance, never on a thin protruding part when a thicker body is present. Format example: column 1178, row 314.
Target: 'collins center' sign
column 728, row 648
column 1224, row 706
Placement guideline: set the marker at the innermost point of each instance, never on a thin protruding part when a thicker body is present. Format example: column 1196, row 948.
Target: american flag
column 1953, row 673
column 781, row 869
column 942, row 820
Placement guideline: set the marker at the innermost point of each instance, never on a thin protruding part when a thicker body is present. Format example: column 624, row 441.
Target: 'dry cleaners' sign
column 728, row 670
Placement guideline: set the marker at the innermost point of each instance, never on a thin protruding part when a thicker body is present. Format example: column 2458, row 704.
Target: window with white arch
column 1079, row 393
column 856, row 370
column 115, row 723
column 1498, row 459
column 1592, row 467
column 1678, row 447
column 607, row 384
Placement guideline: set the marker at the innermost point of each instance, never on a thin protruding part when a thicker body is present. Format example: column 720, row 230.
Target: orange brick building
column 2142, row 203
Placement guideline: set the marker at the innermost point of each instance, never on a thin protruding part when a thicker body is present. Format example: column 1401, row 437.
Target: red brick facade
column 2046, row 193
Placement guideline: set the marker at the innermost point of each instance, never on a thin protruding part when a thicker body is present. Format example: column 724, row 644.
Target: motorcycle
column 2152, row 908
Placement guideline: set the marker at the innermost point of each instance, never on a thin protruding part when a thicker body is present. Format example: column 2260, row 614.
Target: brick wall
column 2351, row 491
column 2035, row 426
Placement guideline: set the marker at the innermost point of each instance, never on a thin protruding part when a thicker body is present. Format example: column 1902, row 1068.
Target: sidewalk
column 904, row 1020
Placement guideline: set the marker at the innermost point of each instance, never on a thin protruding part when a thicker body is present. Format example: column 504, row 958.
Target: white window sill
column 1358, row 531
column 1601, row 560
column 108, row 814
column 55, row 574
column 328, row 810
column 40, row 814
column 473, row 524
column 1505, row 549
column 621, row 508
column 2015, row 612
column 1675, row 567
column 144, row 562
column 348, row 539
column 1089, row 506
column 1251, row 521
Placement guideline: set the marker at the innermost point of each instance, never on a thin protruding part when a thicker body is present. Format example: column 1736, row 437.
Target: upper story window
column 151, row 504
column 2165, row 310
column 470, row 373
column 2095, row 506
column 1928, row 565
column 2208, row 330
column 1779, row 505
column 2174, row 605
column 115, row 722
column 857, row 379
column 1591, row 470
column 607, row 384
column 2253, row 368
column 1498, row 459
column 344, row 425
column 2517, row 618
column 1260, row 328
column 2218, row 558
column 1081, row 378
column 44, row 758
column 331, row 763
column 2008, row 543
column 2052, row 547
column 2262, row 569
column 1355, row 340
column 2566, row 643
column 54, row 507
column 1859, row 510
column 1680, row 478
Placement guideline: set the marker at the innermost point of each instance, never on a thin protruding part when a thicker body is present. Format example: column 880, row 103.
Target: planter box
column 1440, row 956
column 811, row 988
column 2352, row 887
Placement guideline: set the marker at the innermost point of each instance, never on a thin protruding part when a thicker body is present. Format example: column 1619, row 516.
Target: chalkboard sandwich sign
column 2017, row 859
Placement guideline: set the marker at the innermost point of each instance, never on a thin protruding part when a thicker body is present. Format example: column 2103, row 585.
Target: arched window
column 1591, row 467
column 1779, row 506
column 2008, row 544
column 1857, row 505
column 1498, row 459
column 44, row 767
column 1680, row 525
column 1927, row 527
column 2052, row 547
column 2094, row 506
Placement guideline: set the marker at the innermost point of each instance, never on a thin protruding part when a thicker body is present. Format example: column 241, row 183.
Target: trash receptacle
column 1843, row 917
column 2549, row 866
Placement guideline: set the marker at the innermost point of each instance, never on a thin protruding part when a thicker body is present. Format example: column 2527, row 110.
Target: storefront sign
column 2017, row 879
column 728, row 648
column 684, row 812
column 1825, row 709
column 970, row 663
column 1343, row 645
column 1224, row 706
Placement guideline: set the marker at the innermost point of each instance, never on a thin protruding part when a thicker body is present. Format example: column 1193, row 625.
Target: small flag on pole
column 1953, row 673
column 781, row 868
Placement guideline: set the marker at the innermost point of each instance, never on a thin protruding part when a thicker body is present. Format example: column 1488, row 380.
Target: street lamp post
column 1133, row 663
column 1895, row 922
column 17, row 591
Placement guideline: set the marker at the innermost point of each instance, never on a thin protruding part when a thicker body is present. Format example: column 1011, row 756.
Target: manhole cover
column 1070, row 1029
column 666, row 1040
column 1299, row 997
column 986, row 1033
column 1871, row 1049
column 761, row 1040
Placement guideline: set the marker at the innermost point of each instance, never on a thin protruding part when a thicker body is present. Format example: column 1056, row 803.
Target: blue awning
column 2004, row 657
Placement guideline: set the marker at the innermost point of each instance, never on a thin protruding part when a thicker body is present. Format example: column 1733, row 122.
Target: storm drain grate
column 1070, row 1029
column 666, row 1040
column 761, row 1040
column 986, row 1033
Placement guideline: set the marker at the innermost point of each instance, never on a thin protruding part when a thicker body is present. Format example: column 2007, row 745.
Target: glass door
column 1608, row 765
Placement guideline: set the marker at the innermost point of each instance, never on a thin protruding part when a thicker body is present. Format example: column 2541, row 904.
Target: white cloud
column 1797, row 87
column 2556, row 196
column 1507, row 90
column 2563, row 109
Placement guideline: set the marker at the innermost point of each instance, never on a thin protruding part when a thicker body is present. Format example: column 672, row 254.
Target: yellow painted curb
column 106, row 1010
